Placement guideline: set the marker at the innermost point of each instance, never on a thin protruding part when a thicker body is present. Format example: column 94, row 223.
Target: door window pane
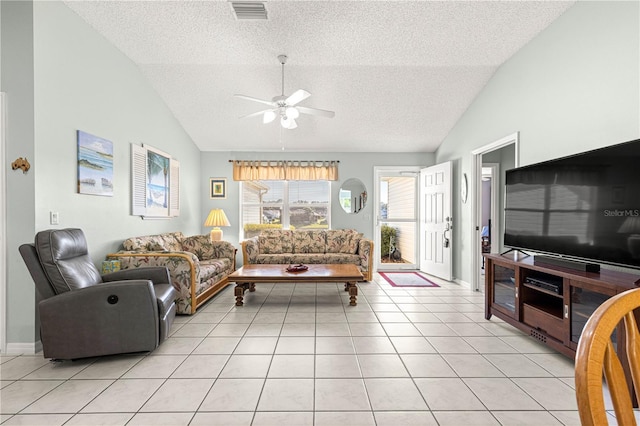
column 398, row 195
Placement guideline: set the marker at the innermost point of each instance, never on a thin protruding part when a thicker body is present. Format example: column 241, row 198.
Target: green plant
column 316, row 226
column 386, row 232
column 253, row 229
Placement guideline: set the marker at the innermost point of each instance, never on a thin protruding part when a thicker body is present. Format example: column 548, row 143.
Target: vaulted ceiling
column 398, row 74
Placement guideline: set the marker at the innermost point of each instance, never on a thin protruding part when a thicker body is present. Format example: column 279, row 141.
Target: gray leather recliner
column 86, row 314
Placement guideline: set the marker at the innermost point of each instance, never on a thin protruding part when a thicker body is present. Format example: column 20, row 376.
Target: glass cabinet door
column 504, row 288
column 583, row 303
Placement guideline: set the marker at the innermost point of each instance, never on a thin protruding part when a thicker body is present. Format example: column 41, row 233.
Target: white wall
column 573, row 88
column 17, row 82
column 61, row 76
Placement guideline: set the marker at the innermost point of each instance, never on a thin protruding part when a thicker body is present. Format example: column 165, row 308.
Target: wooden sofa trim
column 196, row 301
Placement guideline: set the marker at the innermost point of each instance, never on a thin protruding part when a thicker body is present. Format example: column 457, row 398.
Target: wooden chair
column 596, row 356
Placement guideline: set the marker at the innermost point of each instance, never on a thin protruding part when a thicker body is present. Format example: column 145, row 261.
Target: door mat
column 407, row 279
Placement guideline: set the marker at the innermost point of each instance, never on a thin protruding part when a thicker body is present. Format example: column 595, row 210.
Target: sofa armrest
column 365, row 251
column 250, row 250
column 184, row 268
column 115, row 317
column 156, row 274
column 224, row 249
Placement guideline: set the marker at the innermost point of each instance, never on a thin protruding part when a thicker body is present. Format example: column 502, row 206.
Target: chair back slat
column 617, row 384
column 633, row 350
column 596, row 356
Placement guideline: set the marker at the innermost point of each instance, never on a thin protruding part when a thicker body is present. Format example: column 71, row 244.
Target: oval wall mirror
column 352, row 195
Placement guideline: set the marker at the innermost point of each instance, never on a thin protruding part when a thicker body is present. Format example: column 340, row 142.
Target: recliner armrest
column 157, row 274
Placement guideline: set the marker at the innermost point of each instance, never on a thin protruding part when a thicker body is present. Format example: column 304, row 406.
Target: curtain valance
column 285, row 170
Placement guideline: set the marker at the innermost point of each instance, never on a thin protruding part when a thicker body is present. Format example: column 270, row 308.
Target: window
column 285, row 204
column 155, row 183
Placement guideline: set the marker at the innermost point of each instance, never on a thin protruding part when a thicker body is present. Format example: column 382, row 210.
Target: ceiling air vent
column 249, row 10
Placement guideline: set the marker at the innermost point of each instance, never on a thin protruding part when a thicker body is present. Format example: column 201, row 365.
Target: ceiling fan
column 286, row 106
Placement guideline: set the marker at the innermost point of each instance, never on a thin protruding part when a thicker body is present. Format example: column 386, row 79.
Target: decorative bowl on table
column 297, row 268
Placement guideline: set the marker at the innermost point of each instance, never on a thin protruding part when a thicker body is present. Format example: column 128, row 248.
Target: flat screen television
column 585, row 206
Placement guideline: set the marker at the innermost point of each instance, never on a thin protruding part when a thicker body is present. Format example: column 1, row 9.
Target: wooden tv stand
column 524, row 295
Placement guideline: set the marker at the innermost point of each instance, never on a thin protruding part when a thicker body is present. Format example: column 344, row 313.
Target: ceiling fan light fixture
column 292, row 113
column 269, row 116
column 288, row 123
column 285, row 106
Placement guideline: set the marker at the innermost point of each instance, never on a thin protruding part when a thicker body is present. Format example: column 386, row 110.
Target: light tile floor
column 298, row 354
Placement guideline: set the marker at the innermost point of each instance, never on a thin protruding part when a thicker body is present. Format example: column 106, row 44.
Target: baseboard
column 462, row 283
column 24, row 348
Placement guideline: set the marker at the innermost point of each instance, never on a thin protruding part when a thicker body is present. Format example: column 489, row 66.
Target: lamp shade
column 288, row 123
column 631, row 225
column 216, row 219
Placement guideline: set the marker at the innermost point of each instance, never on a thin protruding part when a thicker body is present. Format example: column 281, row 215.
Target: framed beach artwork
column 218, row 188
column 158, row 163
column 155, row 183
column 95, row 165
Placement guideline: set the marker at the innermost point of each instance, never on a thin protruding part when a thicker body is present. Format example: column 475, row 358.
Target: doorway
column 494, row 158
column 489, row 195
column 396, row 223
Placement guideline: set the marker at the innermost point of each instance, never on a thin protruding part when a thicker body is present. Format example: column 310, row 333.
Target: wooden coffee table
column 247, row 277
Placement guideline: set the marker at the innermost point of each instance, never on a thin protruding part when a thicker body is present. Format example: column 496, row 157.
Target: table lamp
column 216, row 219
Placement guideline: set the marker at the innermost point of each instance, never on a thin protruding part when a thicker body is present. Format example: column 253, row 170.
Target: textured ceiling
column 398, row 74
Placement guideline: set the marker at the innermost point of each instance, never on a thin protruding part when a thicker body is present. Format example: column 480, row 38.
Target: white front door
column 436, row 235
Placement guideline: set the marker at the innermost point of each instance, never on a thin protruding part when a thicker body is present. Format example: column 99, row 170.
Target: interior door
column 436, row 233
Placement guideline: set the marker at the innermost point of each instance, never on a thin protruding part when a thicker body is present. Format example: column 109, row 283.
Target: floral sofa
column 280, row 246
column 198, row 266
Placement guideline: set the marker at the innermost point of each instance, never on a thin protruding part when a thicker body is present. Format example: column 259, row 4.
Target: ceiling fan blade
column 250, row 98
column 316, row 111
column 269, row 115
column 297, row 96
column 254, row 114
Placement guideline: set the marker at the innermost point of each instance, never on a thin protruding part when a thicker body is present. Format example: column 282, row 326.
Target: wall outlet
column 54, row 218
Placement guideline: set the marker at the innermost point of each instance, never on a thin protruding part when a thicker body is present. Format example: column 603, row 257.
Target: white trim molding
column 24, row 348
column 462, row 283
column 476, row 204
column 3, row 229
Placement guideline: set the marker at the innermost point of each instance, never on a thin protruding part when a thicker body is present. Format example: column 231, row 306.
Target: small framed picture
column 217, row 188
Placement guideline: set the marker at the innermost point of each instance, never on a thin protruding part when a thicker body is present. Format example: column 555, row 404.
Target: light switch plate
column 54, row 218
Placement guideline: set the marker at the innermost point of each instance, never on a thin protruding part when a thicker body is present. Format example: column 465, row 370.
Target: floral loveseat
column 198, row 266
column 280, row 246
